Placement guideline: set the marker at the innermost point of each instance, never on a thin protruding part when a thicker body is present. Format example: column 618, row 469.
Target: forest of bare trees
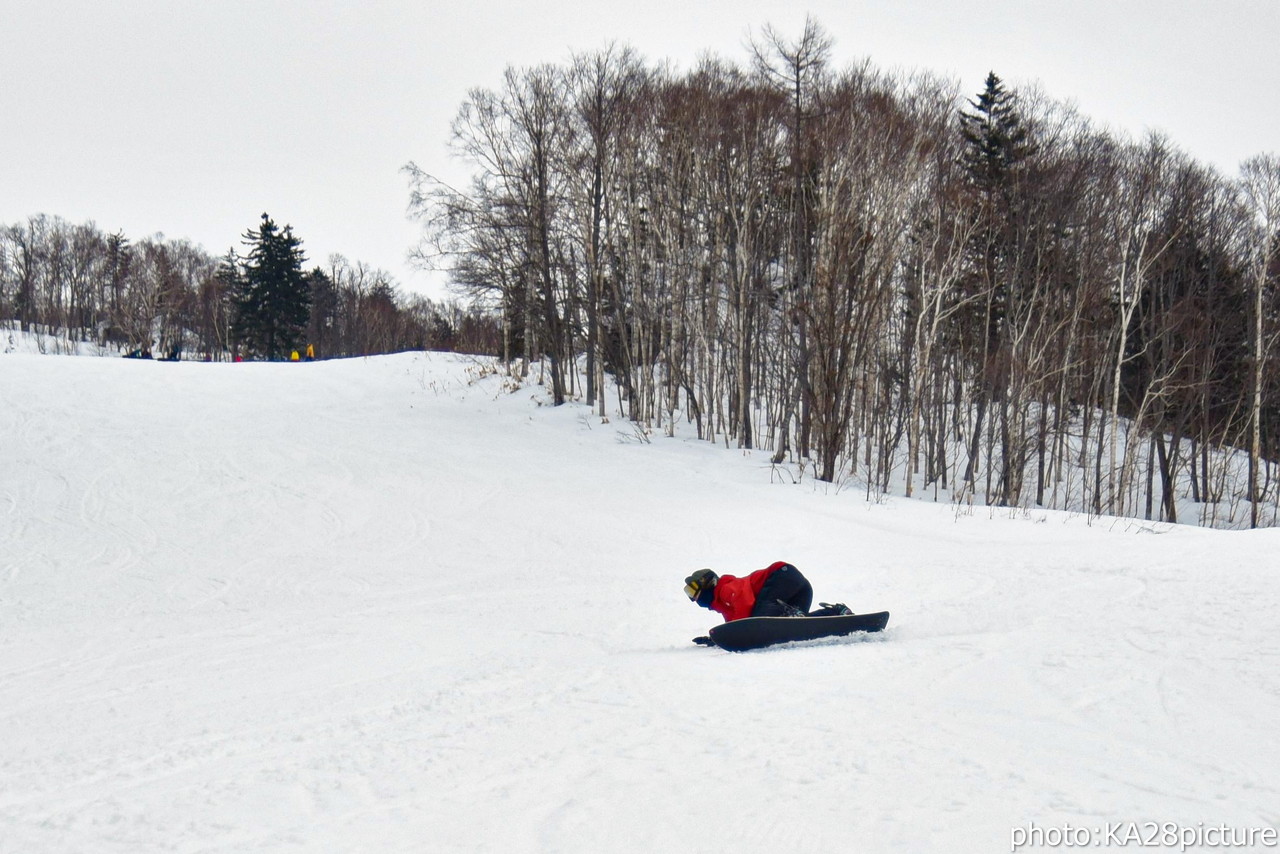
column 74, row 283
column 879, row 279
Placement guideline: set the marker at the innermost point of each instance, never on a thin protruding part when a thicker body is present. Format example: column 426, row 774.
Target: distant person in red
column 778, row 590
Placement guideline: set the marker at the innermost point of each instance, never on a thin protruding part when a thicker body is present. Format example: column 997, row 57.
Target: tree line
column 879, row 276
column 75, row 283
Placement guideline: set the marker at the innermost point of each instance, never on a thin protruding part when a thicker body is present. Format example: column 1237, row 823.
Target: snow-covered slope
column 392, row 605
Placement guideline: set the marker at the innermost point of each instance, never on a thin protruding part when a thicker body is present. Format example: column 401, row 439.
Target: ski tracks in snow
column 369, row 606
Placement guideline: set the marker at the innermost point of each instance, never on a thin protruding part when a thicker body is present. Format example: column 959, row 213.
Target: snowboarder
column 778, row 590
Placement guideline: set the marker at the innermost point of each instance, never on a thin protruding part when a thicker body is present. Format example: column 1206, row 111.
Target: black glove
column 704, row 641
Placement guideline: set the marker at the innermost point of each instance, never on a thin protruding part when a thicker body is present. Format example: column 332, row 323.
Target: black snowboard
column 756, row 632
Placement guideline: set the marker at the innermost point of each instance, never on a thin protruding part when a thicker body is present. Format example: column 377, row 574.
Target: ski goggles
column 700, row 581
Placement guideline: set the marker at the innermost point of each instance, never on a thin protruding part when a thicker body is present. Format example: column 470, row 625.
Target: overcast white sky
column 193, row 118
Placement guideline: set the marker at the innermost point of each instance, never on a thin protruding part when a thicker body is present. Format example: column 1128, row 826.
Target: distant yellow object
column 294, row 357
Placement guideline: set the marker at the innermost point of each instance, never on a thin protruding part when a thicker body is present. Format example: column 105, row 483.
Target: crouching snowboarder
column 778, row 590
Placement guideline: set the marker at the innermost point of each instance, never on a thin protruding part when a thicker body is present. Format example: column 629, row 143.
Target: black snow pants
column 784, row 592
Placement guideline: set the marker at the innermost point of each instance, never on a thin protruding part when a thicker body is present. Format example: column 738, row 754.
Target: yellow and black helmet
column 700, row 587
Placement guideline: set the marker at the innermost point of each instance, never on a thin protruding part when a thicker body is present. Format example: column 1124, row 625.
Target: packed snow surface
column 398, row 605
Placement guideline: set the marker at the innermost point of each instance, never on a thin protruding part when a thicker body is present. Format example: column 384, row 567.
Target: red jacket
column 735, row 597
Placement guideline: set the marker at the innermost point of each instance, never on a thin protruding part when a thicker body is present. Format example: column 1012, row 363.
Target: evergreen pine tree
column 325, row 326
column 997, row 139
column 274, row 300
column 996, row 144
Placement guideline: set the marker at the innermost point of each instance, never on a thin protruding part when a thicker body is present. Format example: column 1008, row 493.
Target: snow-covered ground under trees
column 393, row 605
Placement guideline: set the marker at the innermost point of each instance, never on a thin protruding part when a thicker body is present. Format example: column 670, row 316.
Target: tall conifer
column 274, row 303
column 997, row 140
